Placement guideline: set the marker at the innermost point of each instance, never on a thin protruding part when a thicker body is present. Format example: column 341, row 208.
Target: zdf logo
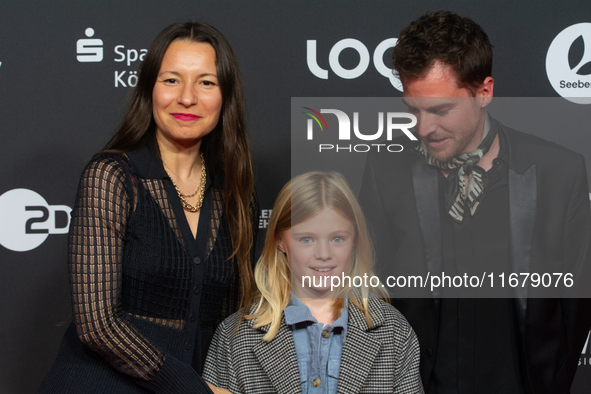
column 26, row 220
column 89, row 49
column 364, row 60
column 568, row 63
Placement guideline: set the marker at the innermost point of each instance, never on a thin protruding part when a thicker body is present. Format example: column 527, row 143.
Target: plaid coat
column 380, row 359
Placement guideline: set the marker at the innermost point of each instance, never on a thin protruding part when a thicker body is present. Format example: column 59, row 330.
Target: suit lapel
column 522, row 217
column 522, row 213
column 277, row 359
column 426, row 193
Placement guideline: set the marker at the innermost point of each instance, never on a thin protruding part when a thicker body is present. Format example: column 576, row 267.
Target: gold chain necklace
column 200, row 189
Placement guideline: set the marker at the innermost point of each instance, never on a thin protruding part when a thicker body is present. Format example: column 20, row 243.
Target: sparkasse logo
column 89, row 49
column 568, row 63
column 92, row 50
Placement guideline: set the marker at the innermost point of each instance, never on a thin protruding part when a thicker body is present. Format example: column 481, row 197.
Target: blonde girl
column 300, row 337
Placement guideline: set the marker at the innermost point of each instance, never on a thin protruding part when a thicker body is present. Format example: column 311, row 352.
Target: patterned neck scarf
column 456, row 193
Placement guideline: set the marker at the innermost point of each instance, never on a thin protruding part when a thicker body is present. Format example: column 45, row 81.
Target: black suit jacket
column 550, row 226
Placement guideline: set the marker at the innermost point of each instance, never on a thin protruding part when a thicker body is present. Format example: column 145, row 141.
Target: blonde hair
column 300, row 199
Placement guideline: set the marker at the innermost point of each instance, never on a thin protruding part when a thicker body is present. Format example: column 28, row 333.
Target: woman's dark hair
column 449, row 38
column 225, row 149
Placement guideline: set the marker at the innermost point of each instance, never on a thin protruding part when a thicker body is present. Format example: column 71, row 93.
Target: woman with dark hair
column 161, row 238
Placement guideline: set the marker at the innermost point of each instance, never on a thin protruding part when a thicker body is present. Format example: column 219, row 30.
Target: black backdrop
column 56, row 111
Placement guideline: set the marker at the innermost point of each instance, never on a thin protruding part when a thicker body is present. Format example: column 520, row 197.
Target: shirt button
column 196, row 290
column 188, row 346
column 316, row 382
column 325, row 334
column 197, row 260
column 192, row 317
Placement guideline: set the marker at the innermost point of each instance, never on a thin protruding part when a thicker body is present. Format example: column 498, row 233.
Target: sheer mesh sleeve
column 95, row 249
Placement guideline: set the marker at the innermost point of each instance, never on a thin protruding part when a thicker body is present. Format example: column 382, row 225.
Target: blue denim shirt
column 318, row 347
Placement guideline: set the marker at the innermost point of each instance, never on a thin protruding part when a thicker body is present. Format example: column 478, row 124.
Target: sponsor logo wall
column 67, row 68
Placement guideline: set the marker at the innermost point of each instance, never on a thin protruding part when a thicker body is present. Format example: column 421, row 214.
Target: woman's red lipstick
column 185, row 117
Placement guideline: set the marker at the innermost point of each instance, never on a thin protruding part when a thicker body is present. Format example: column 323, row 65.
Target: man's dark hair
column 444, row 36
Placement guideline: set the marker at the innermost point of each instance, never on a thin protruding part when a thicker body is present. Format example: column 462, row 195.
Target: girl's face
column 318, row 248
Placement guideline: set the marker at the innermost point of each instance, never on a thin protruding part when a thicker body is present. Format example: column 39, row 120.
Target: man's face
column 450, row 119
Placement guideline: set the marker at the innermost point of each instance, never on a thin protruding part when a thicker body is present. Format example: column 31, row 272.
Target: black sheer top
column 146, row 295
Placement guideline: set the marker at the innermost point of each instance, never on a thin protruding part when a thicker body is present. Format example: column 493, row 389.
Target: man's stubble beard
column 459, row 145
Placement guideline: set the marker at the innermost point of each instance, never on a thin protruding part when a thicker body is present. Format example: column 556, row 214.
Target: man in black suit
column 475, row 196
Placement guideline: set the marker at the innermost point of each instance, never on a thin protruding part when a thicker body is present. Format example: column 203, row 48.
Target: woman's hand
column 217, row 390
